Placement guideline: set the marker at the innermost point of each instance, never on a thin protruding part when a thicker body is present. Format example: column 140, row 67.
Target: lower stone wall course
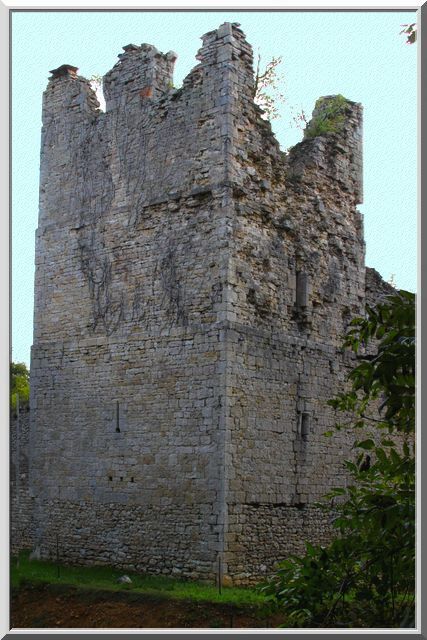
column 179, row 540
column 266, row 534
column 22, row 524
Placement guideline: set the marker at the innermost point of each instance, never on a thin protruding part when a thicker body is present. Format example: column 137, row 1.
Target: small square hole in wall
column 110, row 478
column 132, row 480
column 121, row 477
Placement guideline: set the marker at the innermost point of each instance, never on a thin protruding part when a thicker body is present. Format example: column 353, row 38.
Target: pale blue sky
column 358, row 54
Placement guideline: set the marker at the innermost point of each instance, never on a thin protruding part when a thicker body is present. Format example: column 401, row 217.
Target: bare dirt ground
column 53, row 606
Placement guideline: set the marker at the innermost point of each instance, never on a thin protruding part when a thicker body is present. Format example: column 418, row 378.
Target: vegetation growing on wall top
column 330, row 117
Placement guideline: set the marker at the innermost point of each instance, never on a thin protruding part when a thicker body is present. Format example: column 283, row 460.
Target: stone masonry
column 193, row 284
column 21, row 507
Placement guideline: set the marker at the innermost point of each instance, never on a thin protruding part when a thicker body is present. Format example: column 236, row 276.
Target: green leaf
column 388, row 443
column 365, row 444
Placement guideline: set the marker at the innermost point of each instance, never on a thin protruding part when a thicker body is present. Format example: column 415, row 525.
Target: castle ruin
column 193, row 286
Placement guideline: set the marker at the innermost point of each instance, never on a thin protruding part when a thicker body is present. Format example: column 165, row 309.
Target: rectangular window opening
column 301, row 290
column 305, row 426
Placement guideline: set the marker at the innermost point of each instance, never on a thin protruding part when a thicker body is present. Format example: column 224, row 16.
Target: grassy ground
column 47, row 596
column 105, row 578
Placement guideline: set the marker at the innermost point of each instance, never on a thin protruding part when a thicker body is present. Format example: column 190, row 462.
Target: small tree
column 267, row 94
column 366, row 576
column 96, row 80
column 19, row 384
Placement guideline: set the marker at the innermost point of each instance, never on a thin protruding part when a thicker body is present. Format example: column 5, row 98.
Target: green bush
column 19, row 385
column 366, row 576
column 330, row 119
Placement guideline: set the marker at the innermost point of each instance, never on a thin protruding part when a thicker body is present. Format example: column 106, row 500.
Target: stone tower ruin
column 193, row 284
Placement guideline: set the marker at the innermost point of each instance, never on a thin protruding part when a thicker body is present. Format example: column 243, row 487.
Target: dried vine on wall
column 96, row 197
column 173, row 298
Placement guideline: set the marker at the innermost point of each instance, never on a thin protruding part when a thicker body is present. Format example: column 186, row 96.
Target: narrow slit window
column 117, row 417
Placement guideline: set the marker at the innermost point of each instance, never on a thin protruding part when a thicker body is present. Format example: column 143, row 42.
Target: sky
column 357, row 54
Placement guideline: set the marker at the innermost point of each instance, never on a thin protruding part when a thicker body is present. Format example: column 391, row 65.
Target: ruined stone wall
column 21, row 504
column 192, row 287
